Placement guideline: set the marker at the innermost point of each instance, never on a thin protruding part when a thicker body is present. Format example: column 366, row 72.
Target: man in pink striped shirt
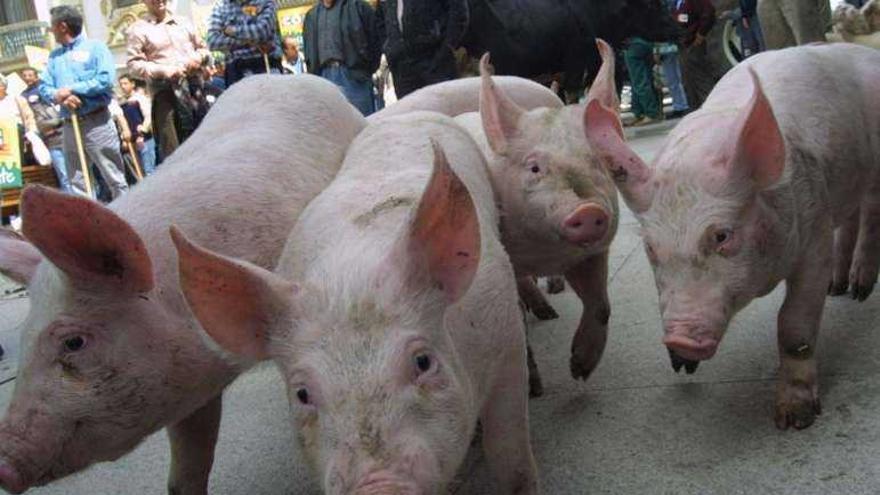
column 165, row 50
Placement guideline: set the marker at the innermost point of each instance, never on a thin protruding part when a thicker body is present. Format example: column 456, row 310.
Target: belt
column 93, row 112
column 331, row 63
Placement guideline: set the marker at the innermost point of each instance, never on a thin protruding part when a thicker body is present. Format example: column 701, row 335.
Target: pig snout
column 690, row 342
column 586, row 224
column 383, row 483
column 10, row 480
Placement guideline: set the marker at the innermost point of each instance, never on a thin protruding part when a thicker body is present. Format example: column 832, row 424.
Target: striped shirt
column 252, row 22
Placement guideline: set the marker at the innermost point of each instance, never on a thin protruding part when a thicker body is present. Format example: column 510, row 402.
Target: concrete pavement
column 634, row 427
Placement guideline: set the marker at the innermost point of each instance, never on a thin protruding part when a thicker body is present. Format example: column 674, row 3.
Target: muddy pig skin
column 110, row 351
column 748, row 191
column 392, row 316
column 459, row 96
column 558, row 204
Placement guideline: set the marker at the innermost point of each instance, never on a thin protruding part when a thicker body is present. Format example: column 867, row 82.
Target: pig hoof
column 536, row 388
column 579, row 370
column 544, row 312
column 861, row 292
column 797, row 407
column 838, row 288
column 555, row 285
column 678, row 362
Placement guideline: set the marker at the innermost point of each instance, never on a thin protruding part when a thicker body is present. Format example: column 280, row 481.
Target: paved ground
column 635, row 427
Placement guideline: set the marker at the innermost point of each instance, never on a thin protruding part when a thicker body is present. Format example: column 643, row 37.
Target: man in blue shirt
column 79, row 77
column 245, row 30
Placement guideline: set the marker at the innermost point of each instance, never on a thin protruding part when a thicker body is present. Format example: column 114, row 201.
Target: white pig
column 747, row 192
column 392, row 316
column 110, row 352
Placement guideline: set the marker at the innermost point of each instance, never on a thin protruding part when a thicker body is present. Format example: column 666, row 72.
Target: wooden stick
column 134, row 159
column 266, row 61
column 82, row 154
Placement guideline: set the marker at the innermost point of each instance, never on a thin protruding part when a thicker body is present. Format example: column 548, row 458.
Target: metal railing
column 14, row 37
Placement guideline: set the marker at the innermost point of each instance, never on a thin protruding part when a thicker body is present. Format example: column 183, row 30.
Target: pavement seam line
column 625, row 261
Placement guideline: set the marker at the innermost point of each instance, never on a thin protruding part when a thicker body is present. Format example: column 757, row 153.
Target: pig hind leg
column 866, row 258
column 797, row 393
column 505, row 421
column 844, row 243
column 192, row 449
column 533, row 300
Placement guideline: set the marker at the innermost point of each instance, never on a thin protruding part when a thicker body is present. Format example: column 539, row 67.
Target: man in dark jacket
column 699, row 72
column 342, row 43
column 421, row 38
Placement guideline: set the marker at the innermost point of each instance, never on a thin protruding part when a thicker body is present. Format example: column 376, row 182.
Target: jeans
column 148, row 156
column 60, row 168
column 358, row 93
column 637, row 57
column 100, row 143
column 752, row 37
column 672, row 75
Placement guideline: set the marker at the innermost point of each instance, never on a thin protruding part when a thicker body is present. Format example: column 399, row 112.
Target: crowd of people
column 173, row 75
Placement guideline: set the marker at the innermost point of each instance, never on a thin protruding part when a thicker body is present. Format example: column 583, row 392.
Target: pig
column 748, row 191
column 392, row 316
column 558, row 203
column 459, row 96
column 110, row 351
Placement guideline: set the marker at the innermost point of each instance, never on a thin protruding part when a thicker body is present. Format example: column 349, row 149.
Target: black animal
column 535, row 38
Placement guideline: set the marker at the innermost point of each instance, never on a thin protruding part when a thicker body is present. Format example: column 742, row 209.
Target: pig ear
column 760, row 149
column 234, row 301
column 604, row 89
column 444, row 237
column 630, row 173
column 18, row 257
column 87, row 241
column 499, row 113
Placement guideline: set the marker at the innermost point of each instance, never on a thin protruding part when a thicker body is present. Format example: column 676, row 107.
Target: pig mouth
column 386, row 484
column 689, row 350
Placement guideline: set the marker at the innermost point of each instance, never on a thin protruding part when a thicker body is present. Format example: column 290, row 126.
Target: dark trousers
column 415, row 71
column 236, row 70
column 699, row 74
column 638, row 62
column 164, row 128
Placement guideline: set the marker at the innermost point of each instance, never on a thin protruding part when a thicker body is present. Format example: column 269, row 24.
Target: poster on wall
column 290, row 22
column 10, row 157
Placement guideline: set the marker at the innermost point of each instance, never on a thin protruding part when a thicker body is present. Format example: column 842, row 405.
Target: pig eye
column 722, row 236
column 423, row 363
column 533, row 166
column 303, row 396
column 75, row 343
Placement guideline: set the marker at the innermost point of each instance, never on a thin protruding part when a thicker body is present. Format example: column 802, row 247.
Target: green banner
column 10, row 155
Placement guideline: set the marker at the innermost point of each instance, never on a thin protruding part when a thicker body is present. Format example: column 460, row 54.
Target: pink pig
column 748, row 192
column 111, row 353
column 558, row 203
column 392, row 316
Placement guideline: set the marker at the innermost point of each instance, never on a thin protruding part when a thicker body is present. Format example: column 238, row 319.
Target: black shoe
column 677, row 114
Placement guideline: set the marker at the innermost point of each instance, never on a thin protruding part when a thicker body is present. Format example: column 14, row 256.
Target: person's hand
column 699, row 40
column 745, row 21
column 193, row 66
column 229, row 31
column 139, row 142
column 141, row 129
column 72, row 102
column 126, row 136
column 62, row 94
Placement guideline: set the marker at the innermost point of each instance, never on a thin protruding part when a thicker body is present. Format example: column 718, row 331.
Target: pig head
column 84, row 266
column 712, row 233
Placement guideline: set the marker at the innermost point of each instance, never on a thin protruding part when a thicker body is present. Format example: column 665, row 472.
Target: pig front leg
column 866, row 259
column 844, row 243
column 192, row 449
column 534, row 301
column 589, row 280
column 505, row 421
column 797, row 393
